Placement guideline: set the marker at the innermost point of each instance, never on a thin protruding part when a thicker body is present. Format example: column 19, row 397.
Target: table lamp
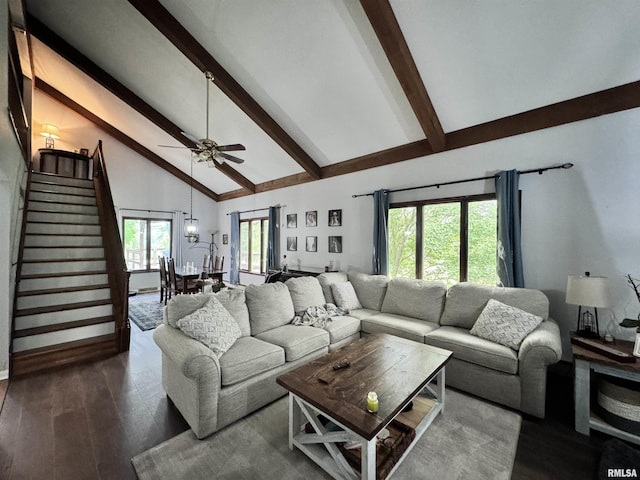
column 587, row 291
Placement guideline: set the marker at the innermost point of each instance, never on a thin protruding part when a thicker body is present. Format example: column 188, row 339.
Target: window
column 145, row 239
column 450, row 240
column 253, row 245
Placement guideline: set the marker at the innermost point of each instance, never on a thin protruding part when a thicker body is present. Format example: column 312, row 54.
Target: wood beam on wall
column 390, row 36
column 123, row 138
column 87, row 66
column 166, row 24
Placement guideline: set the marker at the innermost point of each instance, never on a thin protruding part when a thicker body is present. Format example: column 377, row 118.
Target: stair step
column 67, row 289
column 55, row 338
column 53, row 207
column 61, row 308
column 60, row 267
column 30, row 283
column 52, row 179
column 59, row 240
column 62, row 228
column 65, row 274
column 67, row 353
column 63, row 189
column 61, row 253
column 26, row 332
column 59, row 197
column 49, row 217
column 62, row 316
column 63, row 298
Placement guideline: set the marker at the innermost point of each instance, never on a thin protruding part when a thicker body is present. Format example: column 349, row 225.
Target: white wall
column 582, row 219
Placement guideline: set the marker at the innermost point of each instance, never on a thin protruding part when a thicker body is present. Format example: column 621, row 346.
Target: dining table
column 189, row 275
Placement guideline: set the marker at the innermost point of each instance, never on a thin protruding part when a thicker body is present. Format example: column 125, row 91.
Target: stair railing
column 113, row 250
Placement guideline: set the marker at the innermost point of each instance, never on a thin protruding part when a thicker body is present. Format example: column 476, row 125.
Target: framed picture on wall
column 335, row 218
column 292, row 244
column 311, row 244
column 292, row 220
column 311, row 218
column 335, row 244
column 225, row 238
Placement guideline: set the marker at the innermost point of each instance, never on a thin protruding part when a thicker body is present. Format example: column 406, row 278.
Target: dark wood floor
column 86, row 422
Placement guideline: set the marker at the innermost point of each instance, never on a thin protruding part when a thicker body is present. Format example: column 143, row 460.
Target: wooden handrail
column 113, row 250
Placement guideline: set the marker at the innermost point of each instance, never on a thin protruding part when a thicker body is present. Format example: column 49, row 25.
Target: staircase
column 63, row 308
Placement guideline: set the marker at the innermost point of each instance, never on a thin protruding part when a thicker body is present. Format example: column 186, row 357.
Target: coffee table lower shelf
column 323, row 446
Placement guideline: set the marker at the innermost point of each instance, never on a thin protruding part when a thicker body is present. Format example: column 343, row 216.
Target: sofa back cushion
column 465, row 302
column 328, row 279
column 370, row 289
column 182, row 305
column 305, row 292
column 233, row 299
column 269, row 305
column 415, row 298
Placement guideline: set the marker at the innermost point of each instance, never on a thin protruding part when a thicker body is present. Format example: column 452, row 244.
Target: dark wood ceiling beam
column 80, row 61
column 123, row 138
column 605, row 102
column 385, row 24
column 166, row 24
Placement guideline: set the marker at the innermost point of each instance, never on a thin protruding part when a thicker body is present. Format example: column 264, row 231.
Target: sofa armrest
column 192, row 357
column 540, row 349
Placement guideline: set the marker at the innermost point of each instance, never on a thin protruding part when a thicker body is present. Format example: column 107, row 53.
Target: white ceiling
column 318, row 69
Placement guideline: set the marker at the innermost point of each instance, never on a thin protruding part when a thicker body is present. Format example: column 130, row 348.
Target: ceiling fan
column 205, row 149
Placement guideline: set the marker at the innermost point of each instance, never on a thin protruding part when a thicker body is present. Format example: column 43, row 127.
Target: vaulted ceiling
column 318, row 88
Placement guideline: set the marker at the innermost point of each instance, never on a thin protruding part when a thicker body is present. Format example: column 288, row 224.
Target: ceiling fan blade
column 192, row 138
column 230, row 148
column 171, row 146
column 231, row 158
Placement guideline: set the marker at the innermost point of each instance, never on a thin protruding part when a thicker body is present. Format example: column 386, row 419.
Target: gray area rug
column 145, row 310
column 472, row 439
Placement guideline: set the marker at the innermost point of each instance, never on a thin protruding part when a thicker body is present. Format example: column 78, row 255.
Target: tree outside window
column 253, row 245
column 449, row 240
column 144, row 240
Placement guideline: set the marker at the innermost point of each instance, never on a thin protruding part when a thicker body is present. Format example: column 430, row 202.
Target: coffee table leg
column 295, row 419
column 440, row 390
column 368, row 465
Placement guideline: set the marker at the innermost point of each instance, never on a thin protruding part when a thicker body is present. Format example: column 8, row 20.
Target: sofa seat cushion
column 305, row 292
column 269, row 305
column 363, row 313
column 296, row 340
column 399, row 325
column 474, row 349
column 465, row 301
column 342, row 327
column 370, row 289
column 249, row 357
column 415, row 298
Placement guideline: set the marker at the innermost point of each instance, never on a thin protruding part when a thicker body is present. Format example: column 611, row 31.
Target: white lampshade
column 588, row 291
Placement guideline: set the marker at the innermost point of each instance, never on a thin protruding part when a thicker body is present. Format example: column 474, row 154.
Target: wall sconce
column 587, row 291
column 50, row 132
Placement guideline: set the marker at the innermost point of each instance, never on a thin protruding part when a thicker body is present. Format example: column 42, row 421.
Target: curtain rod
column 539, row 171
column 146, row 210
column 258, row 209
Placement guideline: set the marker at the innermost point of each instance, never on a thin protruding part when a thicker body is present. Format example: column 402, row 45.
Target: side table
column 584, row 362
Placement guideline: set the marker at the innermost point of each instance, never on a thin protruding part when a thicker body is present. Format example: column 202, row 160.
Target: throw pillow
column 504, row 324
column 211, row 325
column 345, row 296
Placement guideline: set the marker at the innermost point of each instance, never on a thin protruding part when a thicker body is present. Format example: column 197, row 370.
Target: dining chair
column 206, row 264
column 219, row 263
column 165, row 294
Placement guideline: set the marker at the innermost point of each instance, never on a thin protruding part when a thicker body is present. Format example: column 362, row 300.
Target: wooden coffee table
column 398, row 370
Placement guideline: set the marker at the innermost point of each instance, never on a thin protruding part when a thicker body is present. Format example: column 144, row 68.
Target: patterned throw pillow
column 345, row 296
column 212, row 325
column 504, row 324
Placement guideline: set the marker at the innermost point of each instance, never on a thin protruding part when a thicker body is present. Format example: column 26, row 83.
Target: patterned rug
column 145, row 310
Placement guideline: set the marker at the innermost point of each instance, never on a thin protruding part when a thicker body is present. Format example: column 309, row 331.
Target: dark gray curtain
column 509, row 254
column 380, row 232
column 234, row 271
column 273, row 239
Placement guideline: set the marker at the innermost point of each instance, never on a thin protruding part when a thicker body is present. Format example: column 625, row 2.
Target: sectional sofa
column 213, row 386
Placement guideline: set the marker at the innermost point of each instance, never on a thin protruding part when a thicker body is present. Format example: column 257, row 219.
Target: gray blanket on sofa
column 318, row 316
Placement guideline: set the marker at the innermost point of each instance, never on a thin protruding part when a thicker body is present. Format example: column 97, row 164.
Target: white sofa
column 213, row 392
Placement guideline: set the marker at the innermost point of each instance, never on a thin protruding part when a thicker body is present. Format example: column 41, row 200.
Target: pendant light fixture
column 191, row 224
